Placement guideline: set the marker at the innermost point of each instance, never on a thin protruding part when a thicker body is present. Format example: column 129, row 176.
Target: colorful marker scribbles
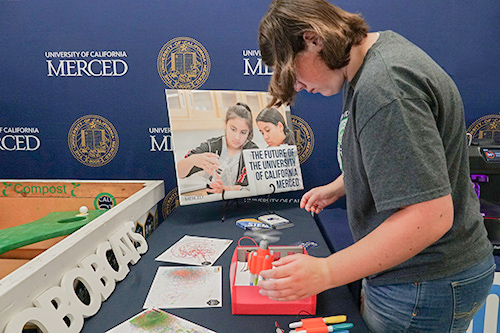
column 158, row 321
column 185, row 287
column 193, row 250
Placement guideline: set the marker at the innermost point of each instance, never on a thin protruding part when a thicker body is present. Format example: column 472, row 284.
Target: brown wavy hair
column 281, row 33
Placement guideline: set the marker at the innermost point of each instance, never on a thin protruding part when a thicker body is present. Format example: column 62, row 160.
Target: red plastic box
column 247, row 300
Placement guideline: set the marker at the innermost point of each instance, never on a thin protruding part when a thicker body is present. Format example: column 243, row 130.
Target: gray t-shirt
column 402, row 141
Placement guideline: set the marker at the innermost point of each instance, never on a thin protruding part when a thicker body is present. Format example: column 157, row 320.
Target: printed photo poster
column 156, row 320
column 194, row 250
column 217, row 133
column 185, row 287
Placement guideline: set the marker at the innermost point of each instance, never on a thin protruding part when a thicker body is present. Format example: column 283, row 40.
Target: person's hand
column 217, row 186
column 295, row 277
column 209, row 162
column 320, row 197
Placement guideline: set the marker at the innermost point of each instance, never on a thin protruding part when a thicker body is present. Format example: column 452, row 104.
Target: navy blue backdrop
column 39, row 105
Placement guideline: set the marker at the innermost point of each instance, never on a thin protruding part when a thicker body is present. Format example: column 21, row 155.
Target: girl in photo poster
column 273, row 128
column 221, row 157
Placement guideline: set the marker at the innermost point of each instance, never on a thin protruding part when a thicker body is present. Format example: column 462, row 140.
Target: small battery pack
column 275, row 221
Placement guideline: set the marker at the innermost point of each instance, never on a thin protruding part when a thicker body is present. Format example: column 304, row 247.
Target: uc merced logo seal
column 485, row 127
column 183, row 63
column 93, row 140
column 170, row 202
column 304, row 137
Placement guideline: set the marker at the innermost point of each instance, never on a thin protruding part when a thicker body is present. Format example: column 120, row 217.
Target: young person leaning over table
column 420, row 242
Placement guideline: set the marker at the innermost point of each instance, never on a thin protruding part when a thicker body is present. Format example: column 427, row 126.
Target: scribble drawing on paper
column 158, row 321
column 199, row 250
column 182, row 287
column 194, row 250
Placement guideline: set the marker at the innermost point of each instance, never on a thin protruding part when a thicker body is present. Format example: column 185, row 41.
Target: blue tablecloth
column 205, row 220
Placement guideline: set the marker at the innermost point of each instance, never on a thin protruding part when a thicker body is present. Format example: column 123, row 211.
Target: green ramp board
column 53, row 225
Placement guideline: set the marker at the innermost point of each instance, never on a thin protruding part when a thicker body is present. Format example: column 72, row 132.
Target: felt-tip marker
column 327, row 320
column 338, row 328
column 254, row 278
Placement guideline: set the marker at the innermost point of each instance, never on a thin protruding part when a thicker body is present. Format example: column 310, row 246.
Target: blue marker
column 339, row 328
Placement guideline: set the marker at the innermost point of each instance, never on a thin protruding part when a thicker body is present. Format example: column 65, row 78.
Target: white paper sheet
column 185, row 287
column 156, row 320
column 193, row 250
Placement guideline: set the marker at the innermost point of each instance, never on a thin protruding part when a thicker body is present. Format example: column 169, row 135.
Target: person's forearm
column 337, row 186
column 399, row 238
column 183, row 167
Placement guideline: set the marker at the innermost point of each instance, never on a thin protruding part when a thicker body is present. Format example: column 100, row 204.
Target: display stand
column 228, row 203
column 269, row 210
column 225, row 205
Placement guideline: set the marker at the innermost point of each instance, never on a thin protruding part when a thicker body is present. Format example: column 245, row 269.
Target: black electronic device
column 484, row 160
column 491, row 214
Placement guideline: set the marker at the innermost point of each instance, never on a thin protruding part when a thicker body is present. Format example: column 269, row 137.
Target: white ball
column 83, row 210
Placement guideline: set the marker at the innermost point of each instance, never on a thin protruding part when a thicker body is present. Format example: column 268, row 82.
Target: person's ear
column 313, row 40
column 280, row 126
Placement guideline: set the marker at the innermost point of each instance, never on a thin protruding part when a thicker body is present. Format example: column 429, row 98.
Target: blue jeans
column 443, row 305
